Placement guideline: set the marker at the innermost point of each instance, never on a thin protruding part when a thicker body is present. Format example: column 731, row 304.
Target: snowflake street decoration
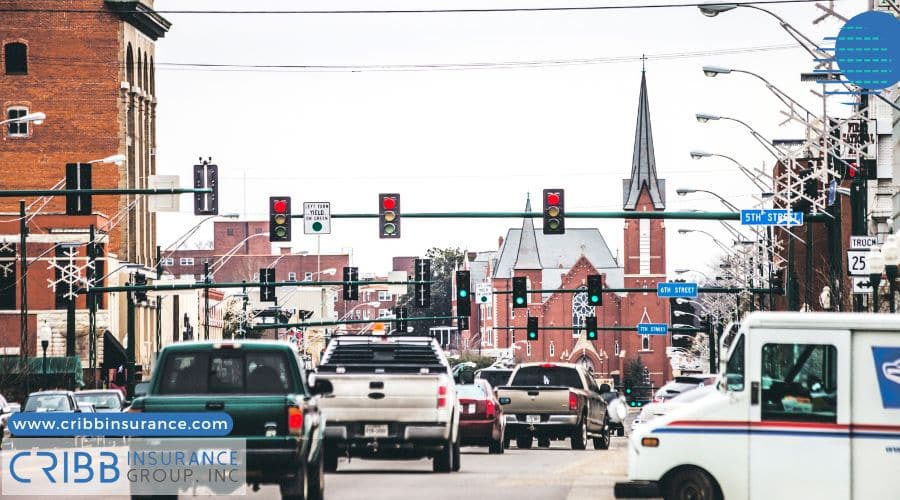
column 7, row 266
column 70, row 274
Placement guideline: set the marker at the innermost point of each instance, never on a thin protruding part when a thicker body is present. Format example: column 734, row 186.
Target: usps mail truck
column 808, row 407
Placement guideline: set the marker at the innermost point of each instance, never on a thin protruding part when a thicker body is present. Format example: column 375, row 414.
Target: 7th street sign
column 316, row 217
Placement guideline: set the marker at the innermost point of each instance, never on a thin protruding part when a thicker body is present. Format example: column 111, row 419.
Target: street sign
column 676, row 290
column 163, row 202
column 482, row 293
column 652, row 328
column 771, row 217
column 862, row 242
column 316, row 217
column 861, row 285
column 858, row 262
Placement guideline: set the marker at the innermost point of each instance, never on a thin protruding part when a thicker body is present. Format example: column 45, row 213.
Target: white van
column 808, row 407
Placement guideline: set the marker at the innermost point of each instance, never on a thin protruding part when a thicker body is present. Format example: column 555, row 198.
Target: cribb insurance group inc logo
column 867, row 50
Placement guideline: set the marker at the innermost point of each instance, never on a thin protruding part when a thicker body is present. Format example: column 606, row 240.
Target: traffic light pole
column 206, row 301
column 98, row 192
column 736, row 216
column 130, row 348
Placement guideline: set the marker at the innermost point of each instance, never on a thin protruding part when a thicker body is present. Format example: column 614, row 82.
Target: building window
column 168, row 261
column 229, row 231
column 186, row 261
column 617, row 349
column 489, row 337
column 366, row 314
column 528, row 349
column 488, row 311
column 645, row 342
column 552, row 349
column 307, row 276
column 16, row 56
column 258, row 230
column 385, row 313
column 17, row 129
column 384, row 296
column 581, row 309
column 8, row 275
column 292, row 276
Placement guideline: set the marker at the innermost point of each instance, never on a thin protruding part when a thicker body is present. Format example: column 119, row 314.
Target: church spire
column 528, row 258
column 643, row 163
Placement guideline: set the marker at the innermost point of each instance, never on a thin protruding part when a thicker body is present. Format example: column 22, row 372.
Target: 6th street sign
column 316, row 217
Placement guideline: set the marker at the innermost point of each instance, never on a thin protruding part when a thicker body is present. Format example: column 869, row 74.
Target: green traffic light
column 532, row 335
column 463, row 293
column 627, row 391
column 595, row 299
column 592, row 335
column 520, row 300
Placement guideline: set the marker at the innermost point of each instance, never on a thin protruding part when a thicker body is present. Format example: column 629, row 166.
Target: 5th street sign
column 316, row 217
column 771, row 217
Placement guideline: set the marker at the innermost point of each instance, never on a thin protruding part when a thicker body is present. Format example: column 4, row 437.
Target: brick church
column 561, row 262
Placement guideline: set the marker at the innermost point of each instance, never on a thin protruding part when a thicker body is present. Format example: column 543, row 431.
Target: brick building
column 92, row 73
column 553, row 262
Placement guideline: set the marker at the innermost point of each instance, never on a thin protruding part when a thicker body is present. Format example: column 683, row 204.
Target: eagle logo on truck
column 887, row 365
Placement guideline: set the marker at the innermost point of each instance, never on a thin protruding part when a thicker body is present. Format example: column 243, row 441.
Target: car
column 5, row 412
column 51, row 402
column 260, row 384
column 655, row 410
column 86, row 407
column 481, row 419
column 681, row 385
column 494, row 376
column 617, row 409
column 104, row 400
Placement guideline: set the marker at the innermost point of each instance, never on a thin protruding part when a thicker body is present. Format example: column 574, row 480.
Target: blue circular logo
column 868, row 50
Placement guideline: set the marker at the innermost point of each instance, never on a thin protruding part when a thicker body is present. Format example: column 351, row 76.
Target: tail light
column 442, row 396
column 489, row 409
column 295, row 420
column 573, row 401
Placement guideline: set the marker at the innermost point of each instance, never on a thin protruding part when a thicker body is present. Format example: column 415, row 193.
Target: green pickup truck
column 262, row 386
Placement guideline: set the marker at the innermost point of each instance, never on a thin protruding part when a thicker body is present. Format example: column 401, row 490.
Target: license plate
column 374, row 431
column 533, row 419
column 471, row 408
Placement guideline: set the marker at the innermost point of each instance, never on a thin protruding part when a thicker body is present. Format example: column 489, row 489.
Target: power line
column 399, row 11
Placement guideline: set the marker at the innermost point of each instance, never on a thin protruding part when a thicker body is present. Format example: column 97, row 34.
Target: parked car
column 260, row 385
column 655, row 410
column 554, row 401
column 481, row 419
column 394, row 397
column 681, row 385
column 104, row 400
column 494, row 376
column 617, row 409
column 51, row 401
column 86, row 407
column 5, row 412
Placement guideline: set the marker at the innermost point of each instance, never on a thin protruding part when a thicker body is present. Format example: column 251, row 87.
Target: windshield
column 734, row 370
column 100, row 401
column 470, row 392
column 496, row 378
column 48, row 402
column 554, row 375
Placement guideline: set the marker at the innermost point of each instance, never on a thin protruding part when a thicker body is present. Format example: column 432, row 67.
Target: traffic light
column 351, row 290
column 140, row 280
column 389, row 215
column 595, row 289
column 423, row 290
column 463, row 294
column 554, row 211
column 206, row 176
column 462, row 323
column 400, row 322
column 590, row 325
column 78, row 176
column 532, row 332
column 266, row 292
column 280, row 218
column 520, row 292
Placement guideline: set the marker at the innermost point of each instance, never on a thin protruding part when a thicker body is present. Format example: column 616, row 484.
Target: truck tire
column 507, row 440
column 456, row 454
column 443, row 461
column 691, row 483
column 330, row 457
column 295, row 488
column 523, row 441
column 316, row 479
column 543, row 442
column 602, row 442
column 579, row 435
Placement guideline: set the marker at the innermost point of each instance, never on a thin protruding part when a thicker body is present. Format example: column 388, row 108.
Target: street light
column 715, row 240
column 36, row 118
column 684, row 271
column 181, row 240
column 713, row 10
column 705, row 117
column 118, row 159
column 45, row 334
column 697, row 154
column 685, row 191
column 876, row 267
column 713, row 71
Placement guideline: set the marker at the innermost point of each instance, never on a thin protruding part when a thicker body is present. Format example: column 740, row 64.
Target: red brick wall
column 9, row 331
column 240, row 230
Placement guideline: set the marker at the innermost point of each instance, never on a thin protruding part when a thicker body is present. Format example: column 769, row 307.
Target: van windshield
column 734, row 370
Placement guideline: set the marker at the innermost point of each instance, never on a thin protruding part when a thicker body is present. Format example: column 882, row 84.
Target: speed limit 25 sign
column 858, row 263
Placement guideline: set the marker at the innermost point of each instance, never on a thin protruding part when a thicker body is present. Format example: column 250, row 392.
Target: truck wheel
column 523, row 441
column 330, row 457
column 579, row 435
column 456, row 453
column 543, row 442
column 443, row 461
column 602, row 442
column 295, row 488
column 316, row 479
column 691, row 484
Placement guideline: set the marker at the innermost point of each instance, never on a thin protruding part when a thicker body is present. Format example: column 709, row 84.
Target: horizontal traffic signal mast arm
column 602, row 328
column 572, row 215
column 702, row 289
column 63, row 192
column 248, row 284
column 270, row 326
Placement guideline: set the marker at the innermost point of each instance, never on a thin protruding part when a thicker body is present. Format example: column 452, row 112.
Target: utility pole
column 206, row 279
column 92, row 307
column 130, row 349
column 23, row 290
column 159, row 298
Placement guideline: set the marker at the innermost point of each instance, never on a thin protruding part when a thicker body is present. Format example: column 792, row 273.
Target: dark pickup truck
column 261, row 385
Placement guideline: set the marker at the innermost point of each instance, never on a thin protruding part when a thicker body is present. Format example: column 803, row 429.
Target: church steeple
column 643, row 162
column 527, row 257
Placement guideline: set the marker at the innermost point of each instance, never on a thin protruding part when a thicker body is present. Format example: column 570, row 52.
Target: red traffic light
column 388, row 203
column 552, row 198
column 279, row 206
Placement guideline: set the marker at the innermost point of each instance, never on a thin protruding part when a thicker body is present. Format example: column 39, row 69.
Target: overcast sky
column 471, row 139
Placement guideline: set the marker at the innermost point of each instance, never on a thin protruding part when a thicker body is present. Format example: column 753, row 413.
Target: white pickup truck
column 393, row 397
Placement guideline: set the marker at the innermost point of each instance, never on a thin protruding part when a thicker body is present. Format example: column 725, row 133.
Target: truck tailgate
column 386, row 397
column 535, row 400
column 250, row 413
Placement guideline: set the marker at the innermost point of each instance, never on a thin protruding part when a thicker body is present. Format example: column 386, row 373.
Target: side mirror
column 504, row 401
column 604, row 388
column 322, row 388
